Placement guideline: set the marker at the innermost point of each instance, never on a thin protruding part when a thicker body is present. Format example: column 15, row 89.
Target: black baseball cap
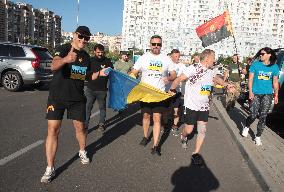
column 83, row 30
column 124, row 53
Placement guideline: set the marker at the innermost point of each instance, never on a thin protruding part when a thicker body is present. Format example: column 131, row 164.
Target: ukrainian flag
column 124, row 90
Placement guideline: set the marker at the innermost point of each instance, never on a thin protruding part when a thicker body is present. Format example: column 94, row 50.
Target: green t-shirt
column 234, row 72
column 123, row 66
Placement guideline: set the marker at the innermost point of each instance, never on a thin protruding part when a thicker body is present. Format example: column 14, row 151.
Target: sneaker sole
column 47, row 180
column 85, row 163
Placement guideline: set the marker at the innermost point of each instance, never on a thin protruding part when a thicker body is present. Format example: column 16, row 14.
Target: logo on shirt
column 155, row 65
column 80, row 60
column 205, row 90
column 78, row 72
column 264, row 75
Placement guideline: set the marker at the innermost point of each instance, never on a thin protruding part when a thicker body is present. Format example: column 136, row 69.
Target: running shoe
column 184, row 143
column 155, row 151
column 245, row 131
column 101, row 127
column 144, row 141
column 83, row 157
column 48, row 175
column 258, row 141
column 197, row 159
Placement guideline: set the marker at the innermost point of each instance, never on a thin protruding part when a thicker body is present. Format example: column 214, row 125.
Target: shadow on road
column 122, row 122
column 122, row 127
column 194, row 178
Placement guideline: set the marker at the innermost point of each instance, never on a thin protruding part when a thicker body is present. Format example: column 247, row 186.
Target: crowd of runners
column 190, row 87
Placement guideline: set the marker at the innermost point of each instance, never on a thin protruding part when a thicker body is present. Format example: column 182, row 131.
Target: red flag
column 215, row 30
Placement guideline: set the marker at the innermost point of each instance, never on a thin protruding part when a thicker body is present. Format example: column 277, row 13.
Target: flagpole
column 235, row 44
column 78, row 13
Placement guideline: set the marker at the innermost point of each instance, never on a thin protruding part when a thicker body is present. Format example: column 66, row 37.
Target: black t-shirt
column 68, row 82
column 100, row 84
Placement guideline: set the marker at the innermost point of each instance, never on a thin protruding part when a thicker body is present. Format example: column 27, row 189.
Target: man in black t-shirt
column 97, row 89
column 71, row 67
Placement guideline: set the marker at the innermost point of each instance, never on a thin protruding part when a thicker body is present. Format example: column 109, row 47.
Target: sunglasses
column 262, row 54
column 86, row 38
column 156, row 44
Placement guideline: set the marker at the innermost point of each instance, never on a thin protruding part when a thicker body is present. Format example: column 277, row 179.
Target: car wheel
column 12, row 81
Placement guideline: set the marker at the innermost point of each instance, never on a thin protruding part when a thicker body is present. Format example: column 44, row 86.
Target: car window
column 280, row 59
column 42, row 53
column 16, row 51
column 4, row 51
column 11, row 51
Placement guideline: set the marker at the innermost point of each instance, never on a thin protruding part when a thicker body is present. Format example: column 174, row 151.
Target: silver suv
column 23, row 64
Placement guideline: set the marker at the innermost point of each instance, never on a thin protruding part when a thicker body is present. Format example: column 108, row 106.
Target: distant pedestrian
column 71, row 67
column 123, row 65
column 199, row 79
column 233, row 75
column 97, row 89
column 263, row 81
column 155, row 68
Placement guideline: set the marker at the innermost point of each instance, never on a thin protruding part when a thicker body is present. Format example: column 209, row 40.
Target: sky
column 99, row 15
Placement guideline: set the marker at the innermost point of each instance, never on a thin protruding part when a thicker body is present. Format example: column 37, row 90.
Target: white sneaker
column 245, row 131
column 257, row 141
column 83, row 157
column 48, row 175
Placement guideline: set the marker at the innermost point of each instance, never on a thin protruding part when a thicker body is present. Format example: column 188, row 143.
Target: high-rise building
column 20, row 22
column 256, row 23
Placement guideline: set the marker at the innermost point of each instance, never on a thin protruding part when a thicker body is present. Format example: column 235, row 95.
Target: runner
column 154, row 67
column 199, row 81
column 71, row 68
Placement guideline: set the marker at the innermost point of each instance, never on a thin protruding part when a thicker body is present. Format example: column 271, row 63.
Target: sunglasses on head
column 156, row 44
column 86, row 38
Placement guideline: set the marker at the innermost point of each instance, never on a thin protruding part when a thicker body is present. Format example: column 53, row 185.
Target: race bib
column 264, row 75
column 78, row 72
column 205, row 90
column 156, row 66
column 235, row 71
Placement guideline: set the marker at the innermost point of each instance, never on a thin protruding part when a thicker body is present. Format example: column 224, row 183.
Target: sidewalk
column 266, row 161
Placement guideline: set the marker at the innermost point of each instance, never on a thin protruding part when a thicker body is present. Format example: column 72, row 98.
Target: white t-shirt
column 154, row 68
column 179, row 68
column 197, row 95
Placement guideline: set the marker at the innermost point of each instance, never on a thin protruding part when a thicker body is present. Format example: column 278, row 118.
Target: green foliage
column 90, row 48
column 114, row 56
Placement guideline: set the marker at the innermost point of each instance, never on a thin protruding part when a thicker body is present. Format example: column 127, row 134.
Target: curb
column 249, row 159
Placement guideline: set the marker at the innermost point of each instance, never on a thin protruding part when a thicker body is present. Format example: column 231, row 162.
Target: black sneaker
column 197, row 159
column 101, row 127
column 156, row 151
column 144, row 141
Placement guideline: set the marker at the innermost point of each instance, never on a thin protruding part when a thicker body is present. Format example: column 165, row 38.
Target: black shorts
column 155, row 107
column 177, row 101
column 76, row 110
column 191, row 117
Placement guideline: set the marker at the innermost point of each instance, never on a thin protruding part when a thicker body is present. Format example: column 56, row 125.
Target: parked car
column 23, row 64
column 280, row 62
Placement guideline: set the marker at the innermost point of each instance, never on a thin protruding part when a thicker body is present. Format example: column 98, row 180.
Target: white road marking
column 28, row 148
column 20, row 152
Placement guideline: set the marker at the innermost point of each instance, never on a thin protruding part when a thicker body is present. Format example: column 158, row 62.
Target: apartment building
column 22, row 23
column 256, row 23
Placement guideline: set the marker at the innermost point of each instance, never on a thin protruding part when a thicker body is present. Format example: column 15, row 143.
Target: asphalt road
column 118, row 162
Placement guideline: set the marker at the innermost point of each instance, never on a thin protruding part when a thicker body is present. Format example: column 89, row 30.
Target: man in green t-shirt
column 233, row 76
column 123, row 65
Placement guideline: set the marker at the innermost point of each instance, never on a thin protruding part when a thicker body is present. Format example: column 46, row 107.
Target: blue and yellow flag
column 124, row 90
